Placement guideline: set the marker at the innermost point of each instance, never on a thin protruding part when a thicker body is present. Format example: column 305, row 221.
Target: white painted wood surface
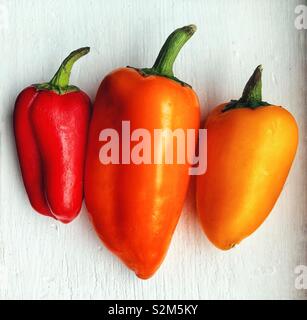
column 42, row 259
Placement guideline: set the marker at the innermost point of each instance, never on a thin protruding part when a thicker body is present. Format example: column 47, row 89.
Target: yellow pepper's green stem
column 252, row 94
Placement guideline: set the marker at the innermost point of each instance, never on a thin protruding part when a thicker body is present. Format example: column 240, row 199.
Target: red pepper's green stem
column 169, row 52
column 60, row 82
column 252, row 94
column 61, row 78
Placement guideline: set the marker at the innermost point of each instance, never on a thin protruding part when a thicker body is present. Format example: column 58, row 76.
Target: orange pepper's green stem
column 169, row 52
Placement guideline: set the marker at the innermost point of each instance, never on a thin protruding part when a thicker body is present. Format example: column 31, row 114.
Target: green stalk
column 60, row 82
column 253, row 90
column 165, row 62
column 252, row 94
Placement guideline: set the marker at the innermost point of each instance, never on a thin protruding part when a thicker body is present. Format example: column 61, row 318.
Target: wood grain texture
column 41, row 259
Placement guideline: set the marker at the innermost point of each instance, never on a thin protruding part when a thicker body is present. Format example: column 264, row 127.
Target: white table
column 40, row 258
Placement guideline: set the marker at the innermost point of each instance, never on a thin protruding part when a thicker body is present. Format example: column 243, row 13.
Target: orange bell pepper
column 135, row 207
column 251, row 147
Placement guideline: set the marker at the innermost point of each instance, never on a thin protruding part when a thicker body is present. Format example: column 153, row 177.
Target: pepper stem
column 169, row 52
column 62, row 77
column 253, row 89
column 252, row 94
column 165, row 62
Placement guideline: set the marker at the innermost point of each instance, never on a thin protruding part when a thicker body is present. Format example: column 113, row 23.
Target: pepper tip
column 260, row 68
column 80, row 52
column 190, row 29
column 85, row 50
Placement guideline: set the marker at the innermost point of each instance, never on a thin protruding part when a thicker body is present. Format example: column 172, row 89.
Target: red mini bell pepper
column 51, row 123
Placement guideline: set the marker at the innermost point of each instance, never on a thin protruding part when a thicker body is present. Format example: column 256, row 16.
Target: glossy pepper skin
column 251, row 147
column 135, row 208
column 51, row 123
